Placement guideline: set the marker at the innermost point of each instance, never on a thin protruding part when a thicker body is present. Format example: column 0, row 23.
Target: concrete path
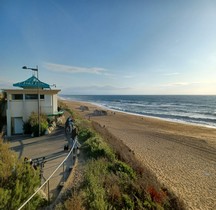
column 49, row 148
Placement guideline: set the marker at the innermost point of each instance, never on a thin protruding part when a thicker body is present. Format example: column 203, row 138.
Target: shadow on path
column 19, row 143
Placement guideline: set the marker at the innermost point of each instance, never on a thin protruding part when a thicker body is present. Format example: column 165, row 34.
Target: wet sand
column 182, row 156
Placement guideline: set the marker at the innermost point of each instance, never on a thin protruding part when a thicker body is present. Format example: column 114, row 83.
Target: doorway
column 18, row 125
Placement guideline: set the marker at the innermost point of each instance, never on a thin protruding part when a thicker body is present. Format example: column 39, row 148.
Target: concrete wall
column 29, row 107
column 24, row 107
column 55, row 103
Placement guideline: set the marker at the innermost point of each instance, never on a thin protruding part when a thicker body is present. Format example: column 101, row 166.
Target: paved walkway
column 51, row 149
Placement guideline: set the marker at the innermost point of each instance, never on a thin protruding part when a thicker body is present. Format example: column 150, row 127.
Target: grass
column 110, row 183
column 113, row 178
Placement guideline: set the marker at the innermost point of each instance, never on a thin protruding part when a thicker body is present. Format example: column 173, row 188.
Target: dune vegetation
column 112, row 178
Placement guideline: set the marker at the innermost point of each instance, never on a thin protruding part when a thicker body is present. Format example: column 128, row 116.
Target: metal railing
column 47, row 180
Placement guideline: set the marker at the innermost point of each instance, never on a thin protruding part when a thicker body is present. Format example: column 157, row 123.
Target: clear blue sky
column 111, row 46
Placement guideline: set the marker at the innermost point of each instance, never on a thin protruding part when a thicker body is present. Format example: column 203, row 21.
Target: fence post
column 74, row 157
column 48, row 191
column 62, row 163
column 63, row 172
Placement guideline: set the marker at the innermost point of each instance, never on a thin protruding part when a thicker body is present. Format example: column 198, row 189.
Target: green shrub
column 69, row 111
column 85, row 134
column 75, row 202
column 95, row 147
column 128, row 203
column 43, row 127
column 27, row 128
column 18, row 181
column 94, row 190
column 31, row 126
column 119, row 166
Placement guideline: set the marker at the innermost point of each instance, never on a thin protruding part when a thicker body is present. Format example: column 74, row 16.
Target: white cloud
column 74, row 69
column 4, row 83
column 179, row 84
column 107, row 89
column 170, row 88
column 191, row 83
column 172, row 74
column 165, row 71
column 128, row 76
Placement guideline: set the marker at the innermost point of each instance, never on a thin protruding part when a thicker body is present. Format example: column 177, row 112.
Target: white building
column 22, row 102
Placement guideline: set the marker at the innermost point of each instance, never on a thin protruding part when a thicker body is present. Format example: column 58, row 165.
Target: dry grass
column 124, row 153
column 75, row 202
column 146, row 179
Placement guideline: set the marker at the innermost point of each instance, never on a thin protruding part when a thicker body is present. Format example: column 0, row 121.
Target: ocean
column 199, row 110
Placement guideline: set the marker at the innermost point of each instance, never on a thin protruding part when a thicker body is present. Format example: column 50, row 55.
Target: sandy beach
column 182, row 156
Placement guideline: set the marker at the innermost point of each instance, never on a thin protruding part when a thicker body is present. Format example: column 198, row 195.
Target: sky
column 102, row 47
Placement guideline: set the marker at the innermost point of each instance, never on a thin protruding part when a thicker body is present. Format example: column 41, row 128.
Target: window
column 31, row 96
column 17, row 96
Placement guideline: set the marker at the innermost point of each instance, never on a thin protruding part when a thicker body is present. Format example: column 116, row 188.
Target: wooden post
column 48, row 192
column 63, row 173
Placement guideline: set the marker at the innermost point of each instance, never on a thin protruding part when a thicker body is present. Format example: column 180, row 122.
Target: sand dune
column 182, row 156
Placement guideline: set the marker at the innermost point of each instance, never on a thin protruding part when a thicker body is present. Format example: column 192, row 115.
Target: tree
column 3, row 104
column 18, row 180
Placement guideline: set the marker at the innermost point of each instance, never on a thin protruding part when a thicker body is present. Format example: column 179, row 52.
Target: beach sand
column 182, row 156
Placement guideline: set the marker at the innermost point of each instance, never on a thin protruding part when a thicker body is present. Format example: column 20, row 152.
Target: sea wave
column 190, row 109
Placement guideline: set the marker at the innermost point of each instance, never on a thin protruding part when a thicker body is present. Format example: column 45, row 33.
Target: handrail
column 49, row 176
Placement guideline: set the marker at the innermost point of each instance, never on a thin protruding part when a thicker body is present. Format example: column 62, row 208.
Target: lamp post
column 36, row 69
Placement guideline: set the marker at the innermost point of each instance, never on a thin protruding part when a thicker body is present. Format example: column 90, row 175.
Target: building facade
column 32, row 98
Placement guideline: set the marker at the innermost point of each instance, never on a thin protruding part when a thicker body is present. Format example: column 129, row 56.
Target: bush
column 85, row 134
column 128, row 203
column 3, row 104
column 121, row 167
column 76, row 202
column 27, row 128
column 43, row 127
column 18, row 181
column 95, row 147
column 31, row 126
column 94, row 190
